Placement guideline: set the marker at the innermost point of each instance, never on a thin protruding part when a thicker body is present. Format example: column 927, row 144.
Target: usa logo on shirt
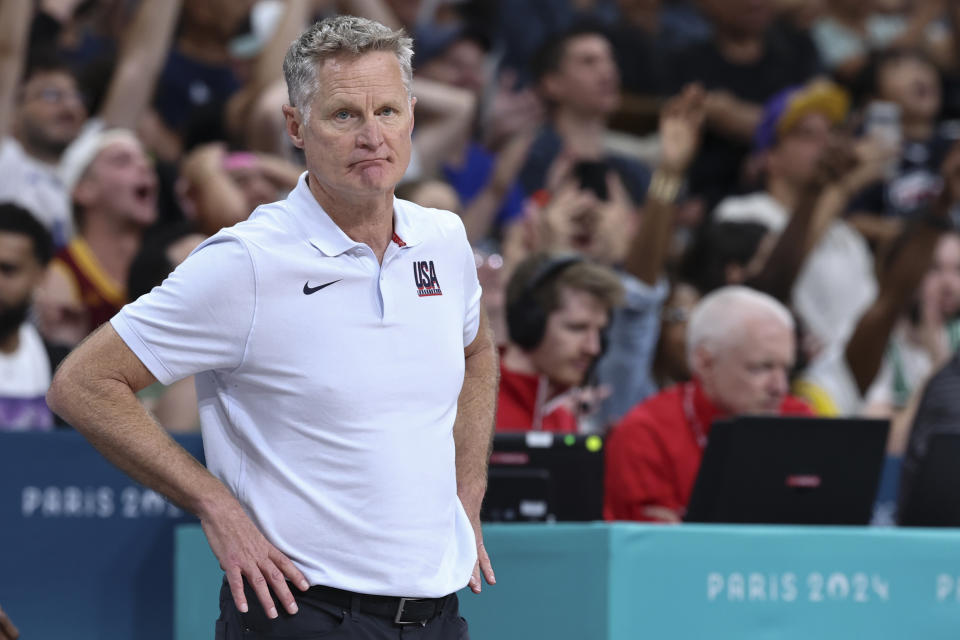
column 425, row 277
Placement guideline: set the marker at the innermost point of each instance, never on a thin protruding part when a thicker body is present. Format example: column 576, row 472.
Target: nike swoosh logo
column 307, row 289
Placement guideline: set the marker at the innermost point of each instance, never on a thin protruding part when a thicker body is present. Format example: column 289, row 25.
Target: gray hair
column 335, row 36
column 721, row 315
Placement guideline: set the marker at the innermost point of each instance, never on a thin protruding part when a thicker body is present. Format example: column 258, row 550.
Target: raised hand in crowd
column 681, row 124
column 511, row 112
column 478, row 216
column 844, row 168
column 901, row 271
column 218, row 188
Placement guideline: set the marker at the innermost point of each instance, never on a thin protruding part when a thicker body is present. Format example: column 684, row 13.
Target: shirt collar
column 327, row 237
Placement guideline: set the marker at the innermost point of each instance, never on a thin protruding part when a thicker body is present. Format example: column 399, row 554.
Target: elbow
column 57, row 393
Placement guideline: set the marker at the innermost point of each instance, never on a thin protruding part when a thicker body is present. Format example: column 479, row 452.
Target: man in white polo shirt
column 345, row 374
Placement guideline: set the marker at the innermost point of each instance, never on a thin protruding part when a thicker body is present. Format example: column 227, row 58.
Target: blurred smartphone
column 592, row 176
column 882, row 122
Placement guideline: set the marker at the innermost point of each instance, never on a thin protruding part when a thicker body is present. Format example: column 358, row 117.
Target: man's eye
column 341, row 115
column 387, row 111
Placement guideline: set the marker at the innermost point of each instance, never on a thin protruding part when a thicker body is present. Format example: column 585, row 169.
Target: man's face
column 122, row 183
column 20, row 273
column 51, row 111
column 748, row 373
column 571, row 341
column 740, row 17
column 357, row 140
column 912, row 83
column 798, row 151
column 587, row 79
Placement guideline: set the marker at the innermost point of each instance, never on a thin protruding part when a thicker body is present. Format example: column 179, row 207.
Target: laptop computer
column 790, row 470
column 934, row 499
column 538, row 476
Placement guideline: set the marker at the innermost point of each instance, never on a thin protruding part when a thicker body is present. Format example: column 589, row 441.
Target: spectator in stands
column 578, row 79
column 198, row 70
column 922, row 342
column 836, row 381
column 591, row 213
column 852, row 29
column 484, row 174
column 740, row 347
column 836, row 282
column 558, row 307
column 911, row 82
column 114, row 188
column 42, row 115
column 742, row 66
column 26, row 363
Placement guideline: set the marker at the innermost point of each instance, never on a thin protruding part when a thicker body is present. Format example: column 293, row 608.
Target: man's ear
column 413, row 102
column 701, row 362
column 293, row 125
column 84, row 192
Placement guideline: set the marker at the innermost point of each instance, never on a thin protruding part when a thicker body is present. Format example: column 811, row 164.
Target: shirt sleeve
column 471, row 289
column 199, row 319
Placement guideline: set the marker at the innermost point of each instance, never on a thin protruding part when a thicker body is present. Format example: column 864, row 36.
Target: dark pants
column 319, row 618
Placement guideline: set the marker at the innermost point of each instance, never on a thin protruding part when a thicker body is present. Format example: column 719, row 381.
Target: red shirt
column 517, row 403
column 654, row 453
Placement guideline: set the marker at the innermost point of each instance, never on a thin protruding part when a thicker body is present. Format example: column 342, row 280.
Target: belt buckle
column 403, row 602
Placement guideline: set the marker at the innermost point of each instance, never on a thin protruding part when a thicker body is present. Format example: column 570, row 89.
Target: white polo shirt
column 328, row 386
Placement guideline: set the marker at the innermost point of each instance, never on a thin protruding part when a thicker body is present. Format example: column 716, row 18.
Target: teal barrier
column 624, row 581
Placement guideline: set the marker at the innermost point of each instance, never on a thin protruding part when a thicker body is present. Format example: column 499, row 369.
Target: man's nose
column 371, row 135
column 593, row 343
column 779, row 383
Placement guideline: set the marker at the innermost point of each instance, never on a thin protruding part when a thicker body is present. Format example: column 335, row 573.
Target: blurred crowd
column 796, row 163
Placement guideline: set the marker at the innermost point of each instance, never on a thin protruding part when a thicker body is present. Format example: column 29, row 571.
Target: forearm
column 733, row 118
column 478, row 216
column 282, row 173
column 105, row 410
column 141, row 58
column 218, row 201
column 649, row 247
column 14, row 28
column 445, row 130
column 899, row 282
column 473, row 429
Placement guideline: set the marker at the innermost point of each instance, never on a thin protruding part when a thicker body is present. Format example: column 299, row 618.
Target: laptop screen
column 790, row 470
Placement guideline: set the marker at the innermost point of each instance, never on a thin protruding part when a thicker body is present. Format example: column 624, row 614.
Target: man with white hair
column 346, row 375
column 740, row 347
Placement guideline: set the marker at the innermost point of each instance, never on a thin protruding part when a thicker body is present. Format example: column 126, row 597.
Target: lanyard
column 692, row 419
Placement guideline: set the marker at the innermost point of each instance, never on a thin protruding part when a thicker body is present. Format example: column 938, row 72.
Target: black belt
column 398, row 610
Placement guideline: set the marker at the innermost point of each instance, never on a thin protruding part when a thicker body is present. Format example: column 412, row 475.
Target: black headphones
column 526, row 318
